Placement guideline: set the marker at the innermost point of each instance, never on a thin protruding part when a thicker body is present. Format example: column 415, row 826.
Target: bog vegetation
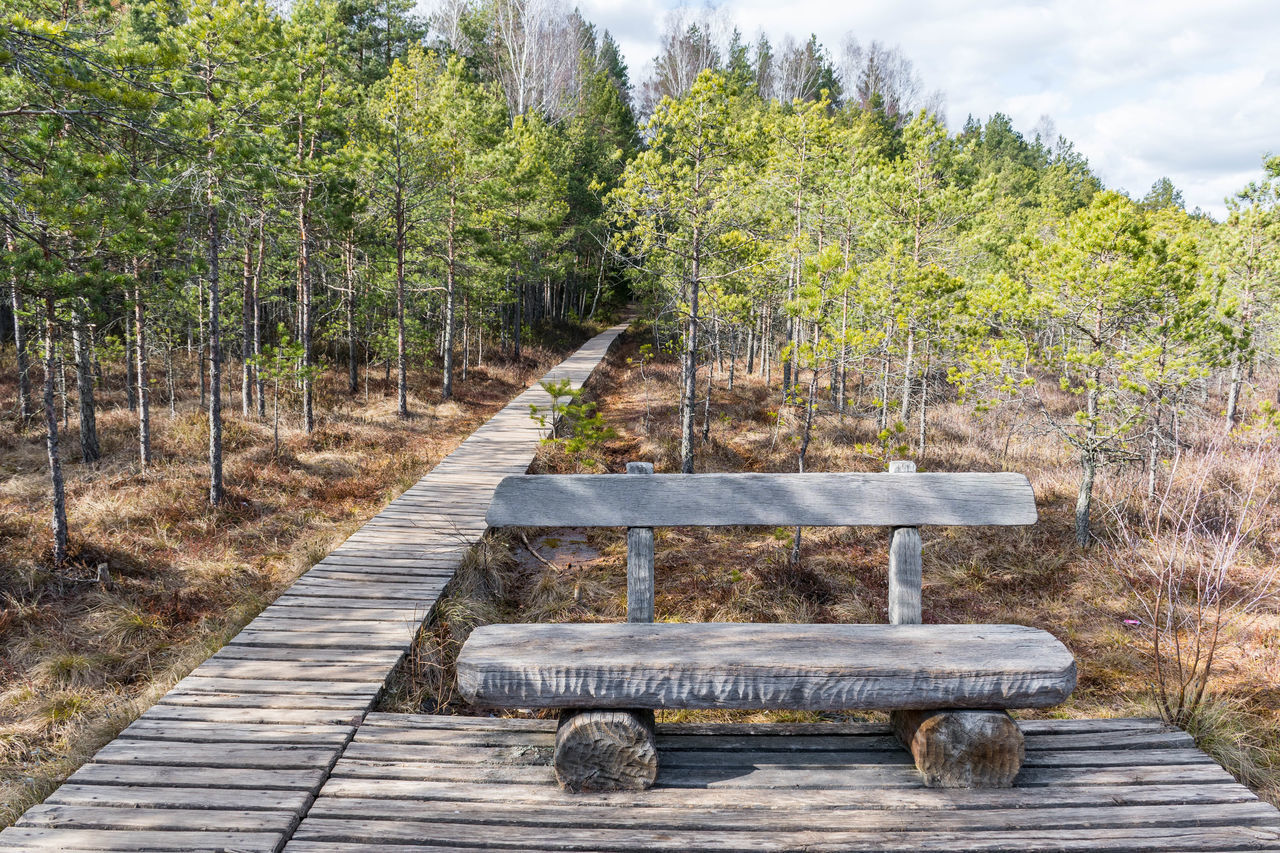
column 235, row 217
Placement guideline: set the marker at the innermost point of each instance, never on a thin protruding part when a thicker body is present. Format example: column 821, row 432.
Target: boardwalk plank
column 21, row 839
column 557, row 838
column 155, row 796
column 139, row 773
column 222, row 732
column 173, row 819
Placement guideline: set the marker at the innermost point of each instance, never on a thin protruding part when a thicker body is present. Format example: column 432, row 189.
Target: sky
column 1188, row 89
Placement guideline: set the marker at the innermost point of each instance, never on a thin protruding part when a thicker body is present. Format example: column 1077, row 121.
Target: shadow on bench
column 948, row 687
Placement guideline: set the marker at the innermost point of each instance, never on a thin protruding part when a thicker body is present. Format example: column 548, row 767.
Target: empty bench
column 948, row 687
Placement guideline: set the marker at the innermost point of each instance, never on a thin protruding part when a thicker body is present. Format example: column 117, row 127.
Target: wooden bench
column 948, row 687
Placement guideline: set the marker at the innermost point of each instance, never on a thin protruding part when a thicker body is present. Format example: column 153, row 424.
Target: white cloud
column 1145, row 88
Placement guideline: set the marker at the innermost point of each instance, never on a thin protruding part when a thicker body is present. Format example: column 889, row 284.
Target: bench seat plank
column 718, row 500
column 774, row 666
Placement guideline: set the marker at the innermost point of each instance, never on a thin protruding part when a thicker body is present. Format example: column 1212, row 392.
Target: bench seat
column 764, row 666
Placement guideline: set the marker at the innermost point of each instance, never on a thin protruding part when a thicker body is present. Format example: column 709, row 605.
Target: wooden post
column 639, row 562
column 604, row 750
column 905, row 572
column 962, row 749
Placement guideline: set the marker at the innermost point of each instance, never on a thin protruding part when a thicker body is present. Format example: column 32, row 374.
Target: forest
column 225, row 222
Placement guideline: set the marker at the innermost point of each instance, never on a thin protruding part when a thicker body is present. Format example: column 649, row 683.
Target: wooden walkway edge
column 232, row 757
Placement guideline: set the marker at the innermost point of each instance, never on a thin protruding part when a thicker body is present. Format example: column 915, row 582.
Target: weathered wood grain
column 195, row 731
column 724, row 665
column 159, row 796
column 905, row 566
column 962, row 749
column 226, row 778
column 806, row 799
column 812, row 500
column 640, row 578
column 180, row 696
column 753, row 776
column 571, row 815
column 752, row 838
column 606, row 751
column 779, row 787
column 18, row 839
column 150, row 819
column 232, row 756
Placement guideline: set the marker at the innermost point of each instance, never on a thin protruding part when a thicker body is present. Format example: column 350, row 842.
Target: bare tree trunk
column 402, row 358
column 842, row 367
column 706, row 409
column 466, row 339
column 1084, row 500
column 304, row 304
column 130, row 378
column 766, row 342
column 733, row 355
column 519, row 317
column 259, row 382
column 689, row 388
column 446, row 382
column 246, row 336
column 1233, row 393
column 59, row 521
column 25, row 411
column 144, row 390
column 804, row 449
column 215, row 359
column 884, row 391
column 906, row 374
column 200, row 336
column 924, row 397
column 169, row 381
column 1153, row 458
column 353, row 367
column 62, row 386
column 595, row 301
column 89, row 448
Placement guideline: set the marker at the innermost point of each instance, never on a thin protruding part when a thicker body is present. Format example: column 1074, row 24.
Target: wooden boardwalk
column 269, row 745
column 231, row 758
column 432, row 783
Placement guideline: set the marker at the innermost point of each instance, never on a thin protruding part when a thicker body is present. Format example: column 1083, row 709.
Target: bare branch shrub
column 1188, row 558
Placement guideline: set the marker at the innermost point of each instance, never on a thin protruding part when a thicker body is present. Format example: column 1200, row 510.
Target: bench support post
column 606, row 750
column 952, row 749
column 639, row 562
column 962, row 749
column 905, row 572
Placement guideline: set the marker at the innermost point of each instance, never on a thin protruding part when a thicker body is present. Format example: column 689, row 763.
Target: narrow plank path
column 434, row 783
column 232, row 757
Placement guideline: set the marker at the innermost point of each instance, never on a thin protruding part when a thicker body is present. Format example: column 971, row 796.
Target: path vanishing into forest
column 232, row 757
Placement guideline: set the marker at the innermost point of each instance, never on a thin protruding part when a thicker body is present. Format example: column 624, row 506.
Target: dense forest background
column 254, row 213
column 257, row 194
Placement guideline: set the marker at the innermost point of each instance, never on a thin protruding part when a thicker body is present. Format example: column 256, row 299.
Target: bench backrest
column 718, row 500
column 901, row 499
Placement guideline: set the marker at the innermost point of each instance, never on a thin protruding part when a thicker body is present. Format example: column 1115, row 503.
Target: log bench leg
column 606, row 750
column 962, row 749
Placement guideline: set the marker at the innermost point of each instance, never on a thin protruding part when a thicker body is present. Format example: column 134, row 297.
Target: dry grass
column 79, row 658
column 424, row 681
column 1034, row 576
